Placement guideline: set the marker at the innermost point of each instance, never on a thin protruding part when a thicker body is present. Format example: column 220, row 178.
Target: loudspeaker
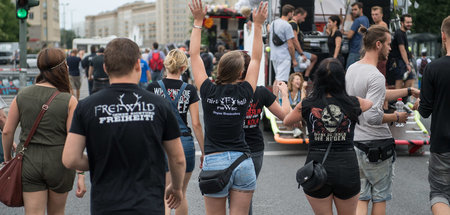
column 385, row 4
column 223, row 24
column 308, row 5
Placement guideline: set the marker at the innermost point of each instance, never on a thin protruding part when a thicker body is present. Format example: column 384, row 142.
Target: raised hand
column 283, row 88
column 197, row 10
column 260, row 14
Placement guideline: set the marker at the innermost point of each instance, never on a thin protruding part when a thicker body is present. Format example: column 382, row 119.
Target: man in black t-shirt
column 97, row 73
column 85, row 63
column 398, row 62
column 435, row 98
column 127, row 131
column 73, row 61
column 299, row 44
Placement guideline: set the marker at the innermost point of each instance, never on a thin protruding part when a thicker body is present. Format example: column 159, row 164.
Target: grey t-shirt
column 284, row 30
column 365, row 81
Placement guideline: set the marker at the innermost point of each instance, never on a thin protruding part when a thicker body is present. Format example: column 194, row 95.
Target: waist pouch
column 214, row 181
column 377, row 149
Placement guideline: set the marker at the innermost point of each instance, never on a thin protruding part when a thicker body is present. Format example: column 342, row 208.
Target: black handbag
column 277, row 41
column 213, row 181
column 313, row 175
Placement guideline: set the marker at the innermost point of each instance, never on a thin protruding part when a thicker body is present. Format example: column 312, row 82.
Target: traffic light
column 22, row 7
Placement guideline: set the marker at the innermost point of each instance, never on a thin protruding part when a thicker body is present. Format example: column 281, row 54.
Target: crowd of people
column 146, row 162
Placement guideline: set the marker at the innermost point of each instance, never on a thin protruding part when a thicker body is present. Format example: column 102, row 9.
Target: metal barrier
column 11, row 80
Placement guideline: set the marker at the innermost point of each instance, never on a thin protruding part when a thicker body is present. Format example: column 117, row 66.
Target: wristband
column 197, row 26
column 409, row 91
column 306, row 78
column 80, row 173
column 398, row 117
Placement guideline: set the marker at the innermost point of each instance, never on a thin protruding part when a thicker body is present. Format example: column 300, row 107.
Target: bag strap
column 174, row 103
column 338, row 123
column 238, row 161
column 38, row 120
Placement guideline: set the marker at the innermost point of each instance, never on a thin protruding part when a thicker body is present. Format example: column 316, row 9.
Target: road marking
column 290, row 152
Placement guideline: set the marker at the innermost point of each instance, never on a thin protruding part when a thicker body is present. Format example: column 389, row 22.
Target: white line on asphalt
column 281, row 153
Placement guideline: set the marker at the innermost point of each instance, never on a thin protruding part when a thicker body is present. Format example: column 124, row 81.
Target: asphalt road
column 277, row 191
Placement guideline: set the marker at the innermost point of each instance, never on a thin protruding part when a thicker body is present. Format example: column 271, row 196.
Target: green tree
column 67, row 37
column 9, row 25
column 428, row 16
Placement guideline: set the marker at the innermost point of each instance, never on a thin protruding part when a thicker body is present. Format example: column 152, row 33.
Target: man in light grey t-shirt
column 281, row 56
column 373, row 140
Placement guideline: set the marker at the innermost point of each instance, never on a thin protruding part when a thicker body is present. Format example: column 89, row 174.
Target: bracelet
column 409, row 91
column 398, row 117
column 197, row 26
column 80, row 173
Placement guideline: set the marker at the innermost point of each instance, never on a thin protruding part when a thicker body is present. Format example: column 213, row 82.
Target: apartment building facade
column 43, row 29
column 137, row 19
column 162, row 21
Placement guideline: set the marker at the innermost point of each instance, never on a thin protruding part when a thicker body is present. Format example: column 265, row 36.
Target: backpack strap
column 174, row 104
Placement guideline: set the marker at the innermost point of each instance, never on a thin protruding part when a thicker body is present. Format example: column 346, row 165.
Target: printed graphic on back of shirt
column 137, row 111
column 252, row 115
column 183, row 102
column 325, row 124
column 227, row 106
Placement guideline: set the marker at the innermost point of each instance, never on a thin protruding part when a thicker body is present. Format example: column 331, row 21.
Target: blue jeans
column 352, row 58
column 156, row 75
column 243, row 177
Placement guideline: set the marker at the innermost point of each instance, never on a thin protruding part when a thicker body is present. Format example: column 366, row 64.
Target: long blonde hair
column 291, row 78
column 175, row 60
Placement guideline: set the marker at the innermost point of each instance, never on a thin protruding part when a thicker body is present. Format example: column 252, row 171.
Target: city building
column 135, row 20
column 43, row 29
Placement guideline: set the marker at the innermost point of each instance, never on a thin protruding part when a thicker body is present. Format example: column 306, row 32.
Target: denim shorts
column 439, row 178
column 243, row 177
column 376, row 178
column 189, row 153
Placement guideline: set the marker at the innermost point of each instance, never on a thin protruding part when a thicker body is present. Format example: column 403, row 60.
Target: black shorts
column 343, row 174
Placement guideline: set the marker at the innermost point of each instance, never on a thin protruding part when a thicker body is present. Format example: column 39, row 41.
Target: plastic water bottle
column 399, row 107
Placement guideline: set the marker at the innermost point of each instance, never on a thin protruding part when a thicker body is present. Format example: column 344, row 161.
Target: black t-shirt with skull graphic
column 224, row 110
column 321, row 126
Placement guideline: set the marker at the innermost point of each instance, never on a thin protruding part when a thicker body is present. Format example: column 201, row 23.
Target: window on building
column 31, row 15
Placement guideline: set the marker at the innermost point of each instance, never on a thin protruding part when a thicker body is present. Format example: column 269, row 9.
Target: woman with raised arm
column 183, row 97
column 331, row 115
column 224, row 107
column 45, row 181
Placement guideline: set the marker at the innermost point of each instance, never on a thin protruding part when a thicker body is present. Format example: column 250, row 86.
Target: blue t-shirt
column 355, row 42
column 144, row 69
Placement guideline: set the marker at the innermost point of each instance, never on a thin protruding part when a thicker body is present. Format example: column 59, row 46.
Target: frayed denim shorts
column 243, row 177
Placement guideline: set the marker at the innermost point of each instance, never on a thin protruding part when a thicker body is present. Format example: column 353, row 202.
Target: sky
column 76, row 10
